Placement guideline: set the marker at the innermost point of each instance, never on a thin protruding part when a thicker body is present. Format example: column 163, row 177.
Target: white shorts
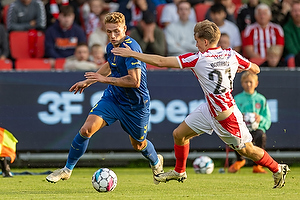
column 233, row 131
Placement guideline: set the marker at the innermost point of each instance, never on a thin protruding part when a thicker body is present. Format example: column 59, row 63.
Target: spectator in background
column 257, row 116
column 97, row 54
column 133, row 11
column 218, row 16
column 63, row 36
column 281, row 11
column 99, row 36
column 245, row 15
column 25, row 15
column 4, row 47
column 262, row 34
column 149, row 36
column 229, row 10
column 93, row 20
column 274, row 55
column 169, row 14
column 80, row 60
column 180, row 35
column 224, row 41
column 52, row 10
column 292, row 34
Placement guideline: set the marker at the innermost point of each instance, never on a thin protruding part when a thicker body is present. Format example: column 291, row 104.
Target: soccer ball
column 104, row 180
column 249, row 119
column 203, row 165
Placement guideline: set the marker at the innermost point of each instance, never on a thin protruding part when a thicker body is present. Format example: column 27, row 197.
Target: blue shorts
column 134, row 122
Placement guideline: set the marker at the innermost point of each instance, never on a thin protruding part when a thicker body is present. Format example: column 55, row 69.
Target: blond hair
column 207, row 30
column 274, row 49
column 114, row 18
column 247, row 74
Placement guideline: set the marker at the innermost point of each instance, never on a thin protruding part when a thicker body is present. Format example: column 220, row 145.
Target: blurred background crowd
column 70, row 34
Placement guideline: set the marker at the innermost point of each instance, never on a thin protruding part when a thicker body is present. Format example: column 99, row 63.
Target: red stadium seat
column 201, row 10
column 33, row 64
column 4, row 13
column 159, row 9
column 19, row 44
column 258, row 61
column 237, row 7
column 151, row 67
column 59, row 63
column 291, row 62
column 6, row 65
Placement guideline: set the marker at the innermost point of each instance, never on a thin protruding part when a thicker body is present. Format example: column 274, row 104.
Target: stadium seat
column 19, row 44
column 291, row 62
column 32, row 64
column 6, row 65
column 159, row 9
column 258, row 61
column 4, row 13
column 236, row 11
column 59, row 63
column 201, row 10
column 152, row 67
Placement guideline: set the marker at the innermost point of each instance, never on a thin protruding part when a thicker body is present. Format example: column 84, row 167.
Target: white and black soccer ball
column 104, row 180
column 249, row 119
column 203, row 165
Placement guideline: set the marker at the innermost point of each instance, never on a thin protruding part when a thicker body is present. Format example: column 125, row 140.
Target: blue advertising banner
column 44, row 116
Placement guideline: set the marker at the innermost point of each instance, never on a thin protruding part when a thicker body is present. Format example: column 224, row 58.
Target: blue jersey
column 132, row 98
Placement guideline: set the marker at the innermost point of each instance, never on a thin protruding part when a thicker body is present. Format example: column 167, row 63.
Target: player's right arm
column 104, row 70
column 156, row 60
column 254, row 68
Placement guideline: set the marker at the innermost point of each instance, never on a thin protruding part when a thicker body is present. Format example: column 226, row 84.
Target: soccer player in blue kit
column 126, row 99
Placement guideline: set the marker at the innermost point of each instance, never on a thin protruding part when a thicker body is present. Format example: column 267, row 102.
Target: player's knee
column 138, row 146
column 85, row 132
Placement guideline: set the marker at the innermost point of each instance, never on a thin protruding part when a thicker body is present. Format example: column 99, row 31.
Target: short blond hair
column 247, row 74
column 207, row 30
column 274, row 49
column 114, row 18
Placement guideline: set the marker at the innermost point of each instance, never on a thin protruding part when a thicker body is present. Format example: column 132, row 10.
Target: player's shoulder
column 131, row 43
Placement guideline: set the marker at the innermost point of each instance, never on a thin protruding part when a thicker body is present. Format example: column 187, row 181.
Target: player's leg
column 79, row 145
column 148, row 151
column 182, row 135
column 261, row 157
column 259, row 140
column 135, row 123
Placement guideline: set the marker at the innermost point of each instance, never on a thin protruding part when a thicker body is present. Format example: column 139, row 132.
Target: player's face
column 201, row 44
column 249, row 84
column 116, row 33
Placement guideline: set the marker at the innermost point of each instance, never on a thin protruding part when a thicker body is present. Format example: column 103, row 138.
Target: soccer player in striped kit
column 215, row 69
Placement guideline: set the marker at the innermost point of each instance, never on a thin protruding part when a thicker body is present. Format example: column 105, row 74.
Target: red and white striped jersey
column 215, row 69
column 262, row 39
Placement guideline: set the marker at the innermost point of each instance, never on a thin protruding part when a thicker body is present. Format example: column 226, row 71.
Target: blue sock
column 77, row 149
column 150, row 153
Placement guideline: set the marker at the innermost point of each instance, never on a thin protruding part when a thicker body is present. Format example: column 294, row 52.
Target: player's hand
column 124, row 52
column 79, row 86
column 93, row 76
column 257, row 117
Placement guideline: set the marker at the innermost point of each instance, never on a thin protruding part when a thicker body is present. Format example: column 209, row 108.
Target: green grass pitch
column 137, row 183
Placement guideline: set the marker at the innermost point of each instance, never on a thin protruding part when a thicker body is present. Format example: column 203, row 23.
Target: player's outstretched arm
column 156, row 60
column 254, row 68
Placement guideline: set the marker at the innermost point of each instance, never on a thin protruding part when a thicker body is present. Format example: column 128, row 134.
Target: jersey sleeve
column 132, row 63
column 187, row 60
column 244, row 63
